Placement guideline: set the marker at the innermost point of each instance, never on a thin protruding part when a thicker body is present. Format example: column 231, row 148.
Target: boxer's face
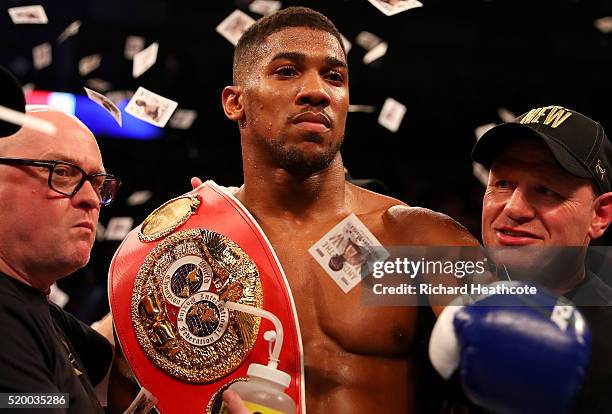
column 44, row 232
column 531, row 201
column 296, row 99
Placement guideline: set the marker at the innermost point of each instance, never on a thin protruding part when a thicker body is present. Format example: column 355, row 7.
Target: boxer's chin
column 303, row 160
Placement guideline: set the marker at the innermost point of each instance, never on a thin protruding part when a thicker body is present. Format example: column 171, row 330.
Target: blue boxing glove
column 515, row 353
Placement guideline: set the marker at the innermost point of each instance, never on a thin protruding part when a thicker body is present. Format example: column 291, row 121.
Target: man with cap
column 548, row 195
column 549, row 186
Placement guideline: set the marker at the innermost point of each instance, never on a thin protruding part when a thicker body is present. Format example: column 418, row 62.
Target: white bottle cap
column 270, row 374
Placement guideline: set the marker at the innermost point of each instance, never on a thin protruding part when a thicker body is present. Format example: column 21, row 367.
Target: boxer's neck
column 274, row 191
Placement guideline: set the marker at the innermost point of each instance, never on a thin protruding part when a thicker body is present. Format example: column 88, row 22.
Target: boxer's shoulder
column 417, row 225
column 368, row 202
column 404, row 224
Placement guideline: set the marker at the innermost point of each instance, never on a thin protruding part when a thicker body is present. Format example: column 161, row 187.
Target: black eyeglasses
column 67, row 179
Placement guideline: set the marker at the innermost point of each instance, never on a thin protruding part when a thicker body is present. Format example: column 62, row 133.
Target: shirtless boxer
column 290, row 100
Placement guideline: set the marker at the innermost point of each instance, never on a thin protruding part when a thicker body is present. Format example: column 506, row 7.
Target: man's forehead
column 527, row 150
column 527, row 154
column 302, row 40
column 54, row 115
column 68, row 128
column 72, row 137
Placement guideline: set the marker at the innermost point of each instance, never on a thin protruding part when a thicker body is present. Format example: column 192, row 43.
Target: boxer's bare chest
column 335, row 324
column 324, row 309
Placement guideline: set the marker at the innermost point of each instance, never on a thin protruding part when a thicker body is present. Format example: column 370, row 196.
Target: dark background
column 452, row 63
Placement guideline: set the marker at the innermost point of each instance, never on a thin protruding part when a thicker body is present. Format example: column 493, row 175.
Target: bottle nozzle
column 275, row 336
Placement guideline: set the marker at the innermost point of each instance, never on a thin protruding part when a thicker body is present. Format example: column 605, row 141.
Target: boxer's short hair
column 264, row 27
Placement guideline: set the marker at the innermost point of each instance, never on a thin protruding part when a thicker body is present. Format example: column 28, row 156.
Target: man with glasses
column 51, row 192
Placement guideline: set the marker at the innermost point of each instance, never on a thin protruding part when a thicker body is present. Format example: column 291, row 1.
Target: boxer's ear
column 231, row 99
column 602, row 215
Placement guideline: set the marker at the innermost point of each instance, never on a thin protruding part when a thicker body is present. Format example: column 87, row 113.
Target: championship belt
column 168, row 284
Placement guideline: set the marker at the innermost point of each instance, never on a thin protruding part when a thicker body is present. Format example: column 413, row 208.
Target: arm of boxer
column 423, row 227
column 514, row 355
column 415, row 226
column 233, row 403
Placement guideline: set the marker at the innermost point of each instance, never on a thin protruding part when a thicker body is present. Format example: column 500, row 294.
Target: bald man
column 51, row 192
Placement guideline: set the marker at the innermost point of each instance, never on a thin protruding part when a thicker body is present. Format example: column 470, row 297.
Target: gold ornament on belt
column 178, row 307
column 168, row 217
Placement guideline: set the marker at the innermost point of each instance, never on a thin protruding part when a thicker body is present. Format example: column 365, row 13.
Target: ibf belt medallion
column 178, row 308
column 184, row 277
column 202, row 320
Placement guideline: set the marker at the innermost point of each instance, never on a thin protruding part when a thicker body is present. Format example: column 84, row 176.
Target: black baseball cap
column 578, row 143
column 11, row 96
